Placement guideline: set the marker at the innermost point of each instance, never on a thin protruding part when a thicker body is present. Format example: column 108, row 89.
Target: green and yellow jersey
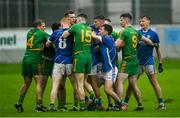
column 35, row 43
column 130, row 38
column 82, row 38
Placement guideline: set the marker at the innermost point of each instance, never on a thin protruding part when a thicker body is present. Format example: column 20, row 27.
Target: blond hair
column 65, row 21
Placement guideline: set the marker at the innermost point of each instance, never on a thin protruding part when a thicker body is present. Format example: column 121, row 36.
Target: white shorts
column 96, row 69
column 148, row 69
column 111, row 75
column 62, row 69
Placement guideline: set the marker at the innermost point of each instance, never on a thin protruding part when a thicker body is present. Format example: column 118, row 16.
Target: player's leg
column 119, row 85
column 79, row 78
column 62, row 95
column 39, row 93
column 133, row 84
column 150, row 71
column 47, row 71
column 110, row 103
column 56, row 79
column 109, row 90
column 73, row 82
column 44, row 82
column 127, row 96
column 23, row 91
column 108, row 87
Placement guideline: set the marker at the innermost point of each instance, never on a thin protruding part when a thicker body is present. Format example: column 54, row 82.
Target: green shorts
column 31, row 67
column 47, row 67
column 82, row 63
column 131, row 67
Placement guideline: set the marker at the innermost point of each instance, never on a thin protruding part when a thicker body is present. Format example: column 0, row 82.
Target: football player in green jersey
column 32, row 65
column 129, row 65
column 81, row 56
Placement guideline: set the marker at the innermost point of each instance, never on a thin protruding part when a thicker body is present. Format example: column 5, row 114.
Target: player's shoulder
column 153, row 32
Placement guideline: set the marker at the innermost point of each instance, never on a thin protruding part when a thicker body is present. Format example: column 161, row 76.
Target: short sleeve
column 72, row 29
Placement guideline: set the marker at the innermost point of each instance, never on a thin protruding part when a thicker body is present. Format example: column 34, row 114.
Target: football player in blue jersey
column 108, row 54
column 63, row 58
column 96, row 62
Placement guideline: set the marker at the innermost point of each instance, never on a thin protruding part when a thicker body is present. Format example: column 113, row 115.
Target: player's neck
column 146, row 28
column 65, row 26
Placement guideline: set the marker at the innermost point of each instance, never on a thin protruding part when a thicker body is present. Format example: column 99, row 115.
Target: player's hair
column 100, row 17
column 108, row 28
column 65, row 21
column 69, row 12
column 147, row 17
column 38, row 22
column 127, row 16
column 82, row 15
column 107, row 19
column 55, row 26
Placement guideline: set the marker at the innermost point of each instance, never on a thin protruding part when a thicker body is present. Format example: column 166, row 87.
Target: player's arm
column 119, row 43
column 159, row 56
column 65, row 34
column 96, row 38
column 147, row 41
column 48, row 43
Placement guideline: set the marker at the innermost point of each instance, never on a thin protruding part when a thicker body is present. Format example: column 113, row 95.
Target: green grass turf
column 11, row 80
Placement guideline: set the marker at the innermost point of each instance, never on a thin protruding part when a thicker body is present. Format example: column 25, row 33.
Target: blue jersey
column 108, row 53
column 95, row 54
column 63, row 48
column 145, row 52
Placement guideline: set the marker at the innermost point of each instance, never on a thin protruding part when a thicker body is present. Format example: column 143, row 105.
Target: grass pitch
column 11, row 80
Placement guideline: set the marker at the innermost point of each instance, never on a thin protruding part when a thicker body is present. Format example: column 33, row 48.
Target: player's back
column 63, row 48
column 82, row 42
column 35, row 43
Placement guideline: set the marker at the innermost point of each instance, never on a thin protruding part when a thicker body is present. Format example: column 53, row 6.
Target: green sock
column 39, row 102
column 21, row 99
column 82, row 103
column 76, row 102
column 126, row 100
column 60, row 104
column 92, row 95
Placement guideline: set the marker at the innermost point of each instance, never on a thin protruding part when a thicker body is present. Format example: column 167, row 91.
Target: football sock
column 82, row 103
column 92, row 95
column 76, row 102
column 110, row 105
column 161, row 100
column 126, row 100
column 99, row 101
column 21, row 99
column 140, row 104
column 39, row 102
column 61, row 103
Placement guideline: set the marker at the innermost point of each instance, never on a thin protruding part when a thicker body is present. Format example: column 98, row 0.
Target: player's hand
column 156, row 45
column 160, row 68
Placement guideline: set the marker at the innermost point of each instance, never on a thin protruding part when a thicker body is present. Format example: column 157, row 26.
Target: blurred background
column 16, row 17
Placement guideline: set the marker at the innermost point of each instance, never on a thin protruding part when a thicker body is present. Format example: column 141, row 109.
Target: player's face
column 43, row 26
column 144, row 23
column 72, row 18
column 122, row 22
column 78, row 20
column 98, row 23
column 103, row 31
